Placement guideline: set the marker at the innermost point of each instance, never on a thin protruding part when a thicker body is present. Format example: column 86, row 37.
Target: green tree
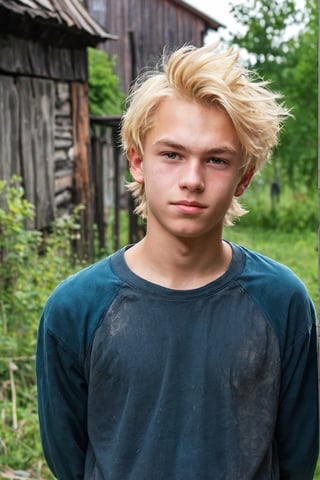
column 289, row 60
column 105, row 95
column 300, row 86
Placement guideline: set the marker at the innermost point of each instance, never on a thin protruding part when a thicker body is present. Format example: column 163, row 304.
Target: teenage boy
column 184, row 357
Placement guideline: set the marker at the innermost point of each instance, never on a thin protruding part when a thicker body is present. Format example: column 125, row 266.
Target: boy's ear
column 136, row 165
column 244, row 183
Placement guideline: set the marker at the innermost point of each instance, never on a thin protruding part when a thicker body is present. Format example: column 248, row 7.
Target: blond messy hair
column 209, row 77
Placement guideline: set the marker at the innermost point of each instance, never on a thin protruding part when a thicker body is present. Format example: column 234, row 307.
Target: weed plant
column 30, row 268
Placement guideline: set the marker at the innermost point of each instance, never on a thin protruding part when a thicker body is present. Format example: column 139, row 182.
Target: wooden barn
column 144, row 27
column 44, row 120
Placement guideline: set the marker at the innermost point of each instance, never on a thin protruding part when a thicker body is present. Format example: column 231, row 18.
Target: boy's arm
column 298, row 427
column 62, row 406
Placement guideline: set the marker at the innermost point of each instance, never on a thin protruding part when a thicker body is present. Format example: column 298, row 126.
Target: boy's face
column 191, row 169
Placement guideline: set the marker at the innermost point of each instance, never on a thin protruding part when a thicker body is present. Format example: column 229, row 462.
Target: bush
column 105, row 95
column 293, row 212
column 29, row 270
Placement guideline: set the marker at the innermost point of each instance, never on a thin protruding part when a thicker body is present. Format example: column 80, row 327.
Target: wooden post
column 80, row 121
column 97, row 176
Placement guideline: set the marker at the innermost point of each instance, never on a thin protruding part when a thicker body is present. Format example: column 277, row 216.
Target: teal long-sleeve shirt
column 140, row 382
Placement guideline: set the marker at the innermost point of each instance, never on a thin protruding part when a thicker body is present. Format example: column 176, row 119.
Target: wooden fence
column 111, row 201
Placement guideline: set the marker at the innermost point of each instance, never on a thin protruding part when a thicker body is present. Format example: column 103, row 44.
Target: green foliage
column 26, row 275
column 299, row 84
column 18, row 251
column 292, row 212
column 282, row 42
column 264, row 23
column 105, row 96
column 20, row 448
column 30, row 268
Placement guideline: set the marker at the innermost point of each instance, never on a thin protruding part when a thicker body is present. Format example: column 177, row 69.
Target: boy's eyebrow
column 168, row 143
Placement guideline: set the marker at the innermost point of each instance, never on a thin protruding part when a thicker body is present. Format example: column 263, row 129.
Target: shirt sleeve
column 62, row 405
column 297, row 431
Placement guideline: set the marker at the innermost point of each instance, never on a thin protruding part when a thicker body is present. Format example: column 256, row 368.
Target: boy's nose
column 192, row 176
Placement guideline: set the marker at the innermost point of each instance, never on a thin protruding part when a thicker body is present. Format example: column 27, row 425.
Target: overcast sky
column 219, row 9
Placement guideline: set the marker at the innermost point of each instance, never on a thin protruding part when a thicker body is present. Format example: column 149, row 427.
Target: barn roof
column 209, row 21
column 65, row 15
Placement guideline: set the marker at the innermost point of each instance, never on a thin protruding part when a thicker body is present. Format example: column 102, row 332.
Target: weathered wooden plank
column 18, row 56
column 80, row 121
column 63, row 181
column 64, row 199
column 13, row 55
column 98, row 184
column 27, row 139
column 37, row 139
column 9, row 128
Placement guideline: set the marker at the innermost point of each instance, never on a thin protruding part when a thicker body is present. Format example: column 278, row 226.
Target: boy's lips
column 188, row 206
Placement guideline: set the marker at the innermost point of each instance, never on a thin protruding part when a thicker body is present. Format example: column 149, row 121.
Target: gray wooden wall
column 37, row 131
column 144, row 27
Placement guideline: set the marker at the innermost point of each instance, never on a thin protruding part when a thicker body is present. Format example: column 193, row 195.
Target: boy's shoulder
column 85, row 284
column 278, row 292
column 76, row 306
column 269, row 272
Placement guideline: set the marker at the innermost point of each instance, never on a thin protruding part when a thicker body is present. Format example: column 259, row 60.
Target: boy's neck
column 184, row 264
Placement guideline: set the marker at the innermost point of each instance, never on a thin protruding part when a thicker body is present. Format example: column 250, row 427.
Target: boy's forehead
column 171, row 104
column 186, row 121
column 181, row 115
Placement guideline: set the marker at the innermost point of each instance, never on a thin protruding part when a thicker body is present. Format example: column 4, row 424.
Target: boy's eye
column 217, row 161
column 171, row 155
